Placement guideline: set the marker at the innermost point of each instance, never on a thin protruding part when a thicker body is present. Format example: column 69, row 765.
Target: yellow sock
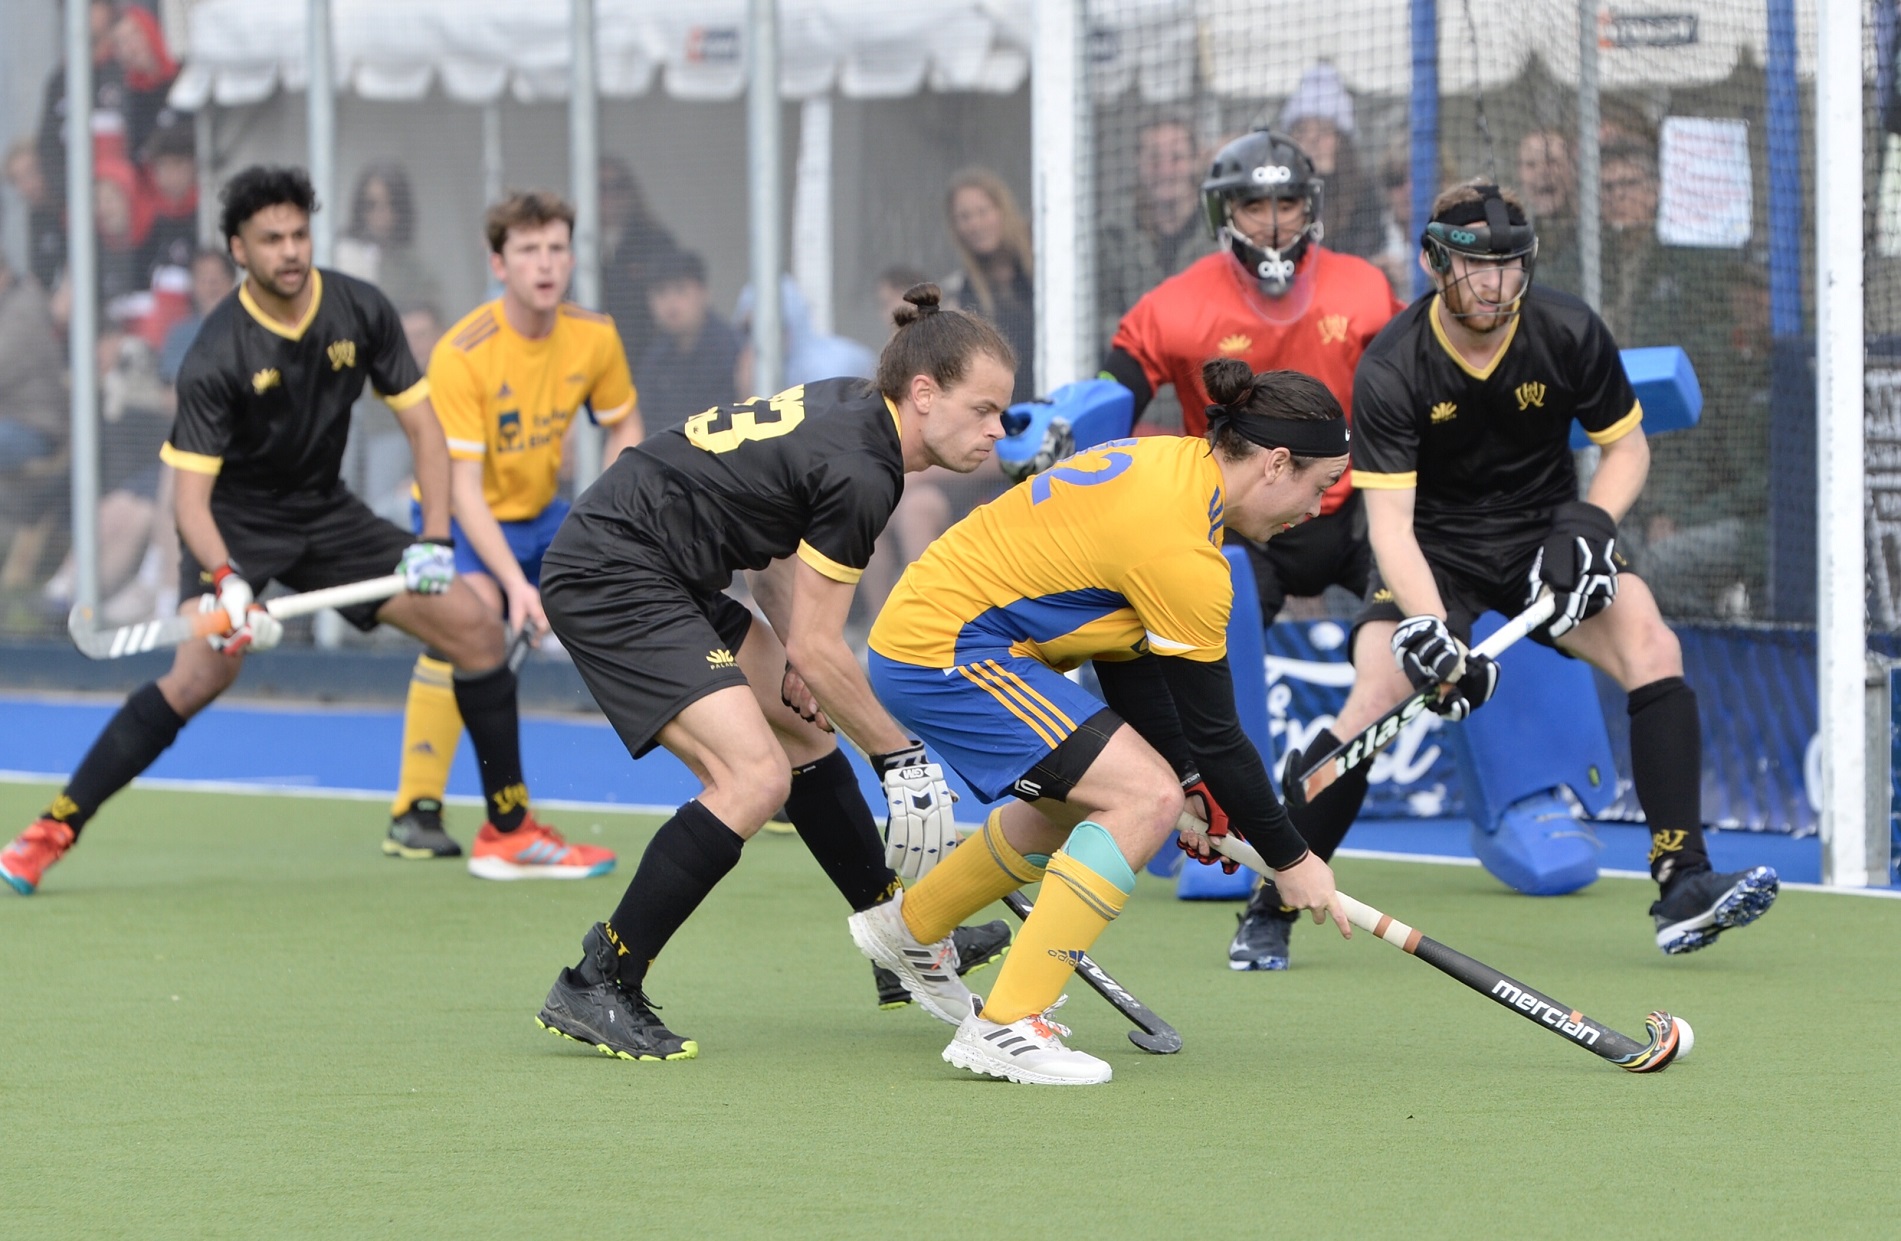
column 432, row 728
column 1075, row 906
column 984, row 868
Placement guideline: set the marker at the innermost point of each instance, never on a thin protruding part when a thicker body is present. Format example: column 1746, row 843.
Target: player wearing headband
column 1465, row 404
column 1113, row 555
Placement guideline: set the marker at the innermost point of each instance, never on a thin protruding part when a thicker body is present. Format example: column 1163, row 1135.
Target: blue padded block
column 1539, row 847
column 1666, row 386
column 1209, row 883
column 1093, row 410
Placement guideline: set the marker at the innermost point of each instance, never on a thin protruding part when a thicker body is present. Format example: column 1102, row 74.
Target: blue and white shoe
column 1702, row 905
column 1260, row 942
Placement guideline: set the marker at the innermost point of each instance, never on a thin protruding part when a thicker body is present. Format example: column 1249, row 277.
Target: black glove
column 1431, row 657
column 1578, row 563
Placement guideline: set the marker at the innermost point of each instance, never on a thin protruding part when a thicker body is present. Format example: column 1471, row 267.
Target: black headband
column 1305, row 437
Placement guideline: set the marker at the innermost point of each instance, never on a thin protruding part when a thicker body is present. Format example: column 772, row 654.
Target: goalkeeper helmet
column 1257, row 165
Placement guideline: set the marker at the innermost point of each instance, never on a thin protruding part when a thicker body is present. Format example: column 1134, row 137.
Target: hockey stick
column 1670, row 1037
column 96, row 643
column 1155, row 1036
column 1324, row 769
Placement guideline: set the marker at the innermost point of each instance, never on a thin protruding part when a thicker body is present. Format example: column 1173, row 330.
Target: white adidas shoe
column 1029, row 1050
column 928, row 971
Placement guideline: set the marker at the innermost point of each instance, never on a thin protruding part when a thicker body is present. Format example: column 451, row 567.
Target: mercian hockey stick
column 1324, row 769
column 1155, row 1036
column 96, row 643
column 1670, row 1037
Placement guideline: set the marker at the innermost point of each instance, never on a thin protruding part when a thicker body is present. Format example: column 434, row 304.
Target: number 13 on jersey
column 726, row 427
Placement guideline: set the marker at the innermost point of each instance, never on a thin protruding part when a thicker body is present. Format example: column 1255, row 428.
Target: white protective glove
column 428, row 567
column 919, row 832
column 252, row 628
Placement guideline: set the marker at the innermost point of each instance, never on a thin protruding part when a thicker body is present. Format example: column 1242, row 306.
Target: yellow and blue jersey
column 1112, row 553
column 507, row 401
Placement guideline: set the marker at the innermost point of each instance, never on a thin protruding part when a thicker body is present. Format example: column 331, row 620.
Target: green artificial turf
column 230, row 1016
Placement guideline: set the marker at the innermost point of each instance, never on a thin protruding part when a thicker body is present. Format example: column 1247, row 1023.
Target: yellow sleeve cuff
column 195, row 462
column 1386, row 482
column 415, row 394
column 829, row 567
column 1619, row 429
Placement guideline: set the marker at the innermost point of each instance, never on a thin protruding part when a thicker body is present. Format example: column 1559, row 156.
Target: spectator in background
column 690, row 362
column 33, row 407
column 212, row 280
column 1161, row 229
column 996, row 278
column 379, row 244
column 146, row 65
column 1399, row 245
column 108, row 101
column 810, row 355
column 1319, row 117
column 632, row 239
column 1548, row 180
column 377, row 462
column 45, row 229
column 124, row 225
column 170, row 164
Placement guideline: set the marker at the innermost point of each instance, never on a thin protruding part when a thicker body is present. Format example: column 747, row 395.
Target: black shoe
column 977, row 946
column 589, row 1005
column 1699, row 906
column 1260, row 942
column 417, row 832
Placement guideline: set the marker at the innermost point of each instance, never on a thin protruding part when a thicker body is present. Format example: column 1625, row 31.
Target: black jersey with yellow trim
column 815, row 470
column 1487, row 448
column 265, row 406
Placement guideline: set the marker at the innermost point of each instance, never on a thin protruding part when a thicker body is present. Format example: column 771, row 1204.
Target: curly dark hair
column 261, row 186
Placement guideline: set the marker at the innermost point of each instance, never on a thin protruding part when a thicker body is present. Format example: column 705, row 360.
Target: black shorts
column 646, row 645
column 1330, row 550
column 1506, row 590
column 305, row 541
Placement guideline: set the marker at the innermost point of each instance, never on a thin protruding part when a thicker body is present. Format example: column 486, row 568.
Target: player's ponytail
column 1274, row 409
column 931, row 340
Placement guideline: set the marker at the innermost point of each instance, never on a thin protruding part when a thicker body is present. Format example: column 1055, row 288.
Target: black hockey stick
column 1155, row 1036
column 96, row 643
column 1324, row 769
column 1670, row 1037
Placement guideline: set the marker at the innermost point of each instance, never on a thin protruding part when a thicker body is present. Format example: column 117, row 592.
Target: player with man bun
column 264, row 400
column 803, row 483
column 1276, row 298
column 1464, row 407
column 1113, row 555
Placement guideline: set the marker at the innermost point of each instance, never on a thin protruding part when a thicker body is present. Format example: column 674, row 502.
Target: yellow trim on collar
column 272, row 325
column 1439, row 333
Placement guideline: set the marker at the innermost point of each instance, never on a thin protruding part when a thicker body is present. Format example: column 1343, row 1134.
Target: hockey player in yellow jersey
column 1113, row 555
column 510, row 379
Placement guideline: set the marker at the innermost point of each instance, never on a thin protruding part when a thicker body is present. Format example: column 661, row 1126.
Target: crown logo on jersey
column 342, row 354
column 265, row 380
column 1529, row 395
column 1333, row 329
column 1445, row 411
column 1236, row 343
column 720, row 659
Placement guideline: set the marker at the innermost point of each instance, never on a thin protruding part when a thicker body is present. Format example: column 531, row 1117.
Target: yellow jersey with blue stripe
column 1112, row 553
column 507, row 401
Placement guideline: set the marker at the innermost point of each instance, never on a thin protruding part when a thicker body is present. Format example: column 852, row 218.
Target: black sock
column 1325, row 821
column 487, row 703
column 686, row 858
column 836, row 825
column 129, row 743
column 1666, row 768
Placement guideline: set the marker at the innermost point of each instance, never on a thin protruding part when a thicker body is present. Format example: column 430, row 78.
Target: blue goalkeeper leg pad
column 1539, row 847
column 1208, row 883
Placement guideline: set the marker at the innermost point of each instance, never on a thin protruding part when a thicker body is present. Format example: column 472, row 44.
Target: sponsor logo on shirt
column 508, row 427
column 1529, row 395
column 1235, row 344
column 342, row 353
column 1333, row 329
column 265, row 380
column 1446, row 411
column 720, row 659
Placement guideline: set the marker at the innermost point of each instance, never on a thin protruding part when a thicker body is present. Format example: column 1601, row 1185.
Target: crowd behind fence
column 1679, row 190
